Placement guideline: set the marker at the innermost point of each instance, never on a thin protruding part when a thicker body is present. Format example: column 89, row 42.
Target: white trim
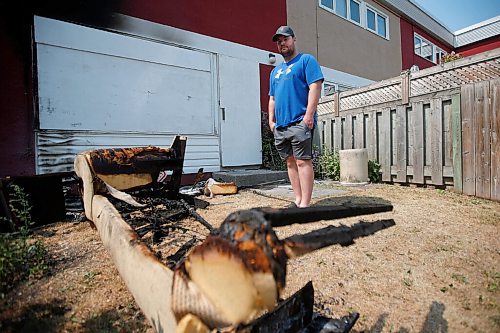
column 477, row 25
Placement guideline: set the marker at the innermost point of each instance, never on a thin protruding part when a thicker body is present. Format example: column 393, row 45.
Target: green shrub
column 327, row 164
column 374, row 171
column 21, row 256
column 270, row 157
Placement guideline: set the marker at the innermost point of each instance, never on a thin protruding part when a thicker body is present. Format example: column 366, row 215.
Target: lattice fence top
column 325, row 107
column 454, row 78
column 380, row 95
column 480, row 67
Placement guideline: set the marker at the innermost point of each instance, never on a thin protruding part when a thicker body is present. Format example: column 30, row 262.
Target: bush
column 328, row 165
column 20, row 255
column 374, row 171
column 270, row 157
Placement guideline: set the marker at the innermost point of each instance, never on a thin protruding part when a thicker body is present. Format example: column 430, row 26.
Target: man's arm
column 312, row 102
column 272, row 120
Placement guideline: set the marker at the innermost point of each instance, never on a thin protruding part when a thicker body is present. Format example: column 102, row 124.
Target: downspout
column 317, row 35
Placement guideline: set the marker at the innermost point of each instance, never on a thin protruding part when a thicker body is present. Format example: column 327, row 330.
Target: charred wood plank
column 197, row 216
column 292, row 315
column 283, row 217
column 179, row 256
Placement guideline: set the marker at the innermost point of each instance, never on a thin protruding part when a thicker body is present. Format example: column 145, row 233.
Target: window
column 427, row 50
column 381, row 26
column 377, row 22
column 329, row 88
column 327, row 3
column 341, row 8
column 370, row 19
column 360, row 13
column 354, row 11
column 440, row 55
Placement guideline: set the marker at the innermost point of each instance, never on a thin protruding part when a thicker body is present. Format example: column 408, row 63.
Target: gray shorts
column 295, row 140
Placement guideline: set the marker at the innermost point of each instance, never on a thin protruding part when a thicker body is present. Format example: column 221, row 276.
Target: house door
column 239, row 93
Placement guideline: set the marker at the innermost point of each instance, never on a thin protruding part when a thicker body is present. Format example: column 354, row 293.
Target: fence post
column 336, row 103
column 405, row 87
column 456, row 132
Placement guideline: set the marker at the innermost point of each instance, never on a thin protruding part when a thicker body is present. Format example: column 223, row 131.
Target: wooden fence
column 439, row 126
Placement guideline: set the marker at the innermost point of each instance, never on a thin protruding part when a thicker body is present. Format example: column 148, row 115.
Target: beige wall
column 339, row 44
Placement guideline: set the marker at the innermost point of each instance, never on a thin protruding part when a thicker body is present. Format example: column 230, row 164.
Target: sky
column 458, row 14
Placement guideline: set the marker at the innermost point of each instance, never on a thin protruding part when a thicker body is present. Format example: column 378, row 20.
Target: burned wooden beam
column 245, row 262
column 283, row 217
column 197, row 216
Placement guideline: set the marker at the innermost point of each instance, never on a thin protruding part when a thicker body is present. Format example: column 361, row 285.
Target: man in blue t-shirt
column 295, row 89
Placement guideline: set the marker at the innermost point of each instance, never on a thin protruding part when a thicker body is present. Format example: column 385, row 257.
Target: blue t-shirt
column 289, row 84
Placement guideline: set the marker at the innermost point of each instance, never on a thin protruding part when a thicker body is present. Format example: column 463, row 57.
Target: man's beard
column 287, row 52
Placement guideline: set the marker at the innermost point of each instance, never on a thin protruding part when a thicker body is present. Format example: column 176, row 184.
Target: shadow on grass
column 52, row 317
column 112, row 321
column 39, row 317
column 434, row 322
column 351, row 201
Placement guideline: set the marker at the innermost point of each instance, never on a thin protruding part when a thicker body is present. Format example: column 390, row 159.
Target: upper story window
column 428, row 50
column 341, row 8
column 355, row 12
column 376, row 21
column 360, row 13
column 348, row 9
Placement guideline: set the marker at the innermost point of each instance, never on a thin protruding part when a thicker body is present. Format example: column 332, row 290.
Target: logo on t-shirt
column 280, row 71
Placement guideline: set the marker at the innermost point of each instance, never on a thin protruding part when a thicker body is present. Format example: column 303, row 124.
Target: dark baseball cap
column 284, row 30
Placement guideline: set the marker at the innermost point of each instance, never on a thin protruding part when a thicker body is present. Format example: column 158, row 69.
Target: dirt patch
column 437, row 270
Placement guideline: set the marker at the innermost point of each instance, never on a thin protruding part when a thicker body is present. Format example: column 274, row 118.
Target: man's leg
column 293, row 174
column 306, row 178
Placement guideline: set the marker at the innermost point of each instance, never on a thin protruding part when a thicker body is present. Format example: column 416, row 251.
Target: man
column 295, row 89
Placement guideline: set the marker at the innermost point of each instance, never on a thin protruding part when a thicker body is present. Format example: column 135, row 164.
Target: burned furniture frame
column 155, row 286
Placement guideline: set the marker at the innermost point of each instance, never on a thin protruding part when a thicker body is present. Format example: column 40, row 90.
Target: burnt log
column 245, row 262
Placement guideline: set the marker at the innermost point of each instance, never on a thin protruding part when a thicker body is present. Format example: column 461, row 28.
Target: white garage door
column 105, row 88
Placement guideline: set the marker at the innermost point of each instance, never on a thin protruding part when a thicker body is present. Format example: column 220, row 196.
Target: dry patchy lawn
column 437, row 270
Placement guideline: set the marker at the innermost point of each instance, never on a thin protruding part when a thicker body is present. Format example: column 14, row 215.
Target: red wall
column 482, row 46
column 265, row 71
column 249, row 23
column 16, row 115
column 409, row 58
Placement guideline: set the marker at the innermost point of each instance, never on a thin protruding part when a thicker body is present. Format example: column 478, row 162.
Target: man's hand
column 309, row 120
column 272, row 125
column 312, row 102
